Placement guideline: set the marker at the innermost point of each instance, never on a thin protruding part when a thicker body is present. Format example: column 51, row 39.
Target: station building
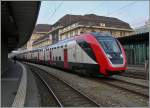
column 42, row 41
column 39, row 31
column 72, row 25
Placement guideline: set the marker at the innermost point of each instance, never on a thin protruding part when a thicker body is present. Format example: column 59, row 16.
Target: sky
column 133, row 12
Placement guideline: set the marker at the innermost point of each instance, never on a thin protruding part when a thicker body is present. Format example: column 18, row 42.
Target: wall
column 137, row 53
column 78, row 30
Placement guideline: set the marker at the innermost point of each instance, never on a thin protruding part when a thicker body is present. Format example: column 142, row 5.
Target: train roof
column 71, row 38
column 97, row 34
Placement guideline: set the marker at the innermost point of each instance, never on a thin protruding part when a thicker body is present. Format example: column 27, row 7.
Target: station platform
column 18, row 88
column 10, row 81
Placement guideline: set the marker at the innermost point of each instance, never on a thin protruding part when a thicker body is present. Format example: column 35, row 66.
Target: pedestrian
column 14, row 59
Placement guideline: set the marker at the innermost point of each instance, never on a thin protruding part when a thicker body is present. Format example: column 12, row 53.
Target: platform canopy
column 18, row 21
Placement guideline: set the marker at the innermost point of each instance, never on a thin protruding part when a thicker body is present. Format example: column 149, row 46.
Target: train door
column 74, row 54
column 65, row 59
column 50, row 57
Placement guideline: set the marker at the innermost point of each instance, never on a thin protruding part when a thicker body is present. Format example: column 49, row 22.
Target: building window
column 102, row 24
column 76, row 32
column 110, row 32
column 59, row 58
column 122, row 33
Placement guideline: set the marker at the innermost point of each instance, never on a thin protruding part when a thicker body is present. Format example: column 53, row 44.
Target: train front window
column 109, row 45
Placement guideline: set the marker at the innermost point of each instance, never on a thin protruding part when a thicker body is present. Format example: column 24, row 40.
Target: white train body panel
column 41, row 55
column 77, row 54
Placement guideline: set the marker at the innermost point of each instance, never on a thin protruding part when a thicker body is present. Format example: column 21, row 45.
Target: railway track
column 129, row 82
column 127, row 86
column 135, row 75
column 63, row 93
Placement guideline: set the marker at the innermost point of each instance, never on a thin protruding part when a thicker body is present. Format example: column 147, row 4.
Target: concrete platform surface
column 32, row 95
column 10, row 81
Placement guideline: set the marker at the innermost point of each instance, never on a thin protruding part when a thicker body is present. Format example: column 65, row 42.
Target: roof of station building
column 92, row 19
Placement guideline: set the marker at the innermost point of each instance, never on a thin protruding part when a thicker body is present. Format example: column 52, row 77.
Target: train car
column 92, row 53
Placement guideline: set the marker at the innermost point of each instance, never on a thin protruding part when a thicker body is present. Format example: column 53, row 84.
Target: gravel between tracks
column 102, row 93
column 133, row 80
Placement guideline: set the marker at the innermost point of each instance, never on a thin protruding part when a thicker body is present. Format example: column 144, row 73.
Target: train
column 95, row 53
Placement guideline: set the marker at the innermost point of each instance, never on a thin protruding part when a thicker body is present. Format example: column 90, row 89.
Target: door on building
column 65, row 59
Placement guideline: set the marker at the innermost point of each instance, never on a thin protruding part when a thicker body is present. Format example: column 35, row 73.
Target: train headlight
column 109, row 56
column 121, row 55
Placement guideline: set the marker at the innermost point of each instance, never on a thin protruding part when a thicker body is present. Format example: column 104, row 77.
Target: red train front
column 108, row 52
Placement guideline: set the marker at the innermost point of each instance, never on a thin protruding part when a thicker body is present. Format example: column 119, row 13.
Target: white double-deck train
column 91, row 53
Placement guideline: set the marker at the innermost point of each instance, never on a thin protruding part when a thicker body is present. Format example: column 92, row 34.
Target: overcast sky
column 133, row 12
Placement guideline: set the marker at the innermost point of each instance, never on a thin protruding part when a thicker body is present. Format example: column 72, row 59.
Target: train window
column 56, row 58
column 87, row 48
column 59, row 58
column 110, row 45
column 65, row 45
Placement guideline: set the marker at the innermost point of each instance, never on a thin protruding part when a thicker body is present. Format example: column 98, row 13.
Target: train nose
column 116, row 58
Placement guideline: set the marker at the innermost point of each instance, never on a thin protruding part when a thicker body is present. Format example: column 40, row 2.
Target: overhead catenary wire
column 117, row 10
column 56, row 9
